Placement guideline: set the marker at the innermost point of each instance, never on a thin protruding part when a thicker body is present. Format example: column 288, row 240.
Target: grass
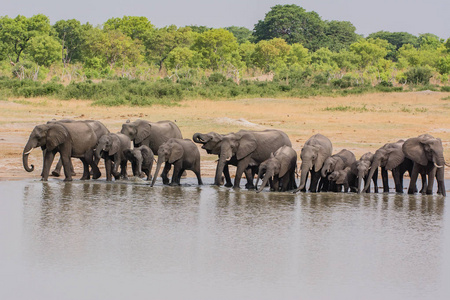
column 347, row 108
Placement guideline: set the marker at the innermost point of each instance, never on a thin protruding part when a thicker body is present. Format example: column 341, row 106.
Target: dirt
column 358, row 123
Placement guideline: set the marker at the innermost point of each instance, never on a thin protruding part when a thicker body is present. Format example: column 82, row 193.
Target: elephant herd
column 266, row 154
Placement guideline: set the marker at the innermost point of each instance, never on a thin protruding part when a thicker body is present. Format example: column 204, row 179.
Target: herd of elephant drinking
column 268, row 154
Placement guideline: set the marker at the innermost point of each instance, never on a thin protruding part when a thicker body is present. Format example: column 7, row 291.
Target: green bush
column 419, row 75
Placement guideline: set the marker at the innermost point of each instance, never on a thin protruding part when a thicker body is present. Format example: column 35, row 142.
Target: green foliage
column 72, row 38
column 419, row 75
column 398, row 39
column 134, row 27
column 242, row 34
column 44, row 50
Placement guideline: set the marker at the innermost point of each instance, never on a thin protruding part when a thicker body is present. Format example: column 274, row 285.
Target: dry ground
column 359, row 123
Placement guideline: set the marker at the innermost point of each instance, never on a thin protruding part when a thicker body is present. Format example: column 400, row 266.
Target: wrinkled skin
column 111, row 147
column 314, row 153
column 250, row 149
column 342, row 179
column 360, row 170
column 141, row 159
column 183, row 154
column 69, row 140
column 211, row 142
column 427, row 154
column 390, row 157
column 339, row 161
column 279, row 168
column 99, row 129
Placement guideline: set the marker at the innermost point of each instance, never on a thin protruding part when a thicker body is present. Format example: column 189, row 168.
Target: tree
column 242, row 34
column 339, row 35
column 44, row 50
column 369, row 51
column 72, row 37
column 293, row 24
column 298, row 55
column 218, row 49
column 398, row 39
column 16, row 33
column 134, row 27
column 272, row 54
column 166, row 39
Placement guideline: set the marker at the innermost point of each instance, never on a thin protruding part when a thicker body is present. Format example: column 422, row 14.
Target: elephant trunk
column 373, row 167
column 219, row 170
column 26, row 152
column 158, row 167
column 98, row 151
column 360, row 179
column 439, row 162
column 305, row 167
column 199, row 138
column 264, row 182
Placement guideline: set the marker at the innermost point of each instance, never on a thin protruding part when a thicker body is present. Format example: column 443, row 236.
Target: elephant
column 111, row 147
column 427, row 154
column 211, row 142
column 99, row 129
column 360, row 170
column 141, row 159
column 314, row 153
column 337, row 162
column 280, row 167
column 76, row 139
column 248, row 149
column 151, row 134
column 390, row 157
column 183, row 154
column 342, row 178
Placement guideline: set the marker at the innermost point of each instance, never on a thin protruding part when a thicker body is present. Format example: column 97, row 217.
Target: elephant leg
column 423, row 190
column 164, row 173
column 315, row 176
column 48, row 160
column 414, row 175
column 108, row 168
column 177, row 172
column 241, row 167
column 249, row 174
column 385, row 179
column 96, row 161
column 57, row 170
column 431, row 175
column 123, row 169
column 441, row 182
column 398, row 180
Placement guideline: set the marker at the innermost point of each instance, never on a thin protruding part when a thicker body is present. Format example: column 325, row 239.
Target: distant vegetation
column 129, row 61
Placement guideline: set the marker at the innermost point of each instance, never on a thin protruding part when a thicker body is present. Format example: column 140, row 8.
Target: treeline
column 303, row 53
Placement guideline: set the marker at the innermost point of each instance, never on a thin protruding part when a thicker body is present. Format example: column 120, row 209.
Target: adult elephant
column 337, row 162
column 211, row 142
column 314, row 153
column 69, row 140
column 390, row 157
column 99, row 129
column 427, row 154
column 151, row 134
column 249, row 149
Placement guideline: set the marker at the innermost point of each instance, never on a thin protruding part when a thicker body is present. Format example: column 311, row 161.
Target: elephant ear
column 321, row 157
column 247, row 144
column 143, row 131
column 176, row 153
column 395, row 158
column 284, row 167
column 413, row 150
column 56, row 135
column 115, row 145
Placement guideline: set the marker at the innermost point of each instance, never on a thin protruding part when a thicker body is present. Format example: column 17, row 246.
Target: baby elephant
column 183, row 154
column 141, row 159
column 279, row 169
column 111, row 147
column 342, row 178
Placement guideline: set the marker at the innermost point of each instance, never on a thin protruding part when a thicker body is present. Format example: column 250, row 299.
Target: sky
column 368, row 16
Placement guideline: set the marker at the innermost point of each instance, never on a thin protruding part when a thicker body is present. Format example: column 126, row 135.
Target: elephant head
column 425, row 149
column 136, row 159
column 240, row 145
column 313, row 156
column 169, row 152
column 46, row 136
column 211, row 141
column 340, row 177
column 137, row 131
column 267, row 169
column 389, row 157
column 109, row 144
column 361, row 169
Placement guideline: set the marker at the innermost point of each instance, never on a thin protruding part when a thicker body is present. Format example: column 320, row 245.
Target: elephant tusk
column 437, row 166
column 28, row 151
column 228, row 159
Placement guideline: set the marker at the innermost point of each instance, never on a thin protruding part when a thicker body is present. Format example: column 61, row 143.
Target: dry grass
column 359, row 123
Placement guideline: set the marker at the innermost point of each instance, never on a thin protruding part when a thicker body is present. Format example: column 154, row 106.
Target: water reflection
column 239, row 243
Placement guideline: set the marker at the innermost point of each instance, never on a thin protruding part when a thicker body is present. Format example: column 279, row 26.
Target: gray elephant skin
column 427, row 154
column 99, row 129
column 141, row 159
column 313, row 154
column 360, row 170
column 339, row 161
column 183, row 154
column 342, row 180
column 211, row 142
column 279, row 168
column 76, row 139
column 249, row 149
column 111, row 147
column 390, row 157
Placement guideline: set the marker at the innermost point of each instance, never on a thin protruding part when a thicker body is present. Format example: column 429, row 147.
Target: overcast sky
column 368, row 16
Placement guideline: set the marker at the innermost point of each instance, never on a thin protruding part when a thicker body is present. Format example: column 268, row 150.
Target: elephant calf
column 279, row 168
column 342, row 178
column 183, row 154
column 111, row 147
column 141, row 159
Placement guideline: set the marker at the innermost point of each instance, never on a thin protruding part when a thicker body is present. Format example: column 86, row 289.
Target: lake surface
column 99, row 240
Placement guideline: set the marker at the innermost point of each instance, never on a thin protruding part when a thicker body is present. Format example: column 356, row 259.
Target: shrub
column 419, row 75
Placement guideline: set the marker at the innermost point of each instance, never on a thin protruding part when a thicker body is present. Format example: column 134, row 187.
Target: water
column 98, row 240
